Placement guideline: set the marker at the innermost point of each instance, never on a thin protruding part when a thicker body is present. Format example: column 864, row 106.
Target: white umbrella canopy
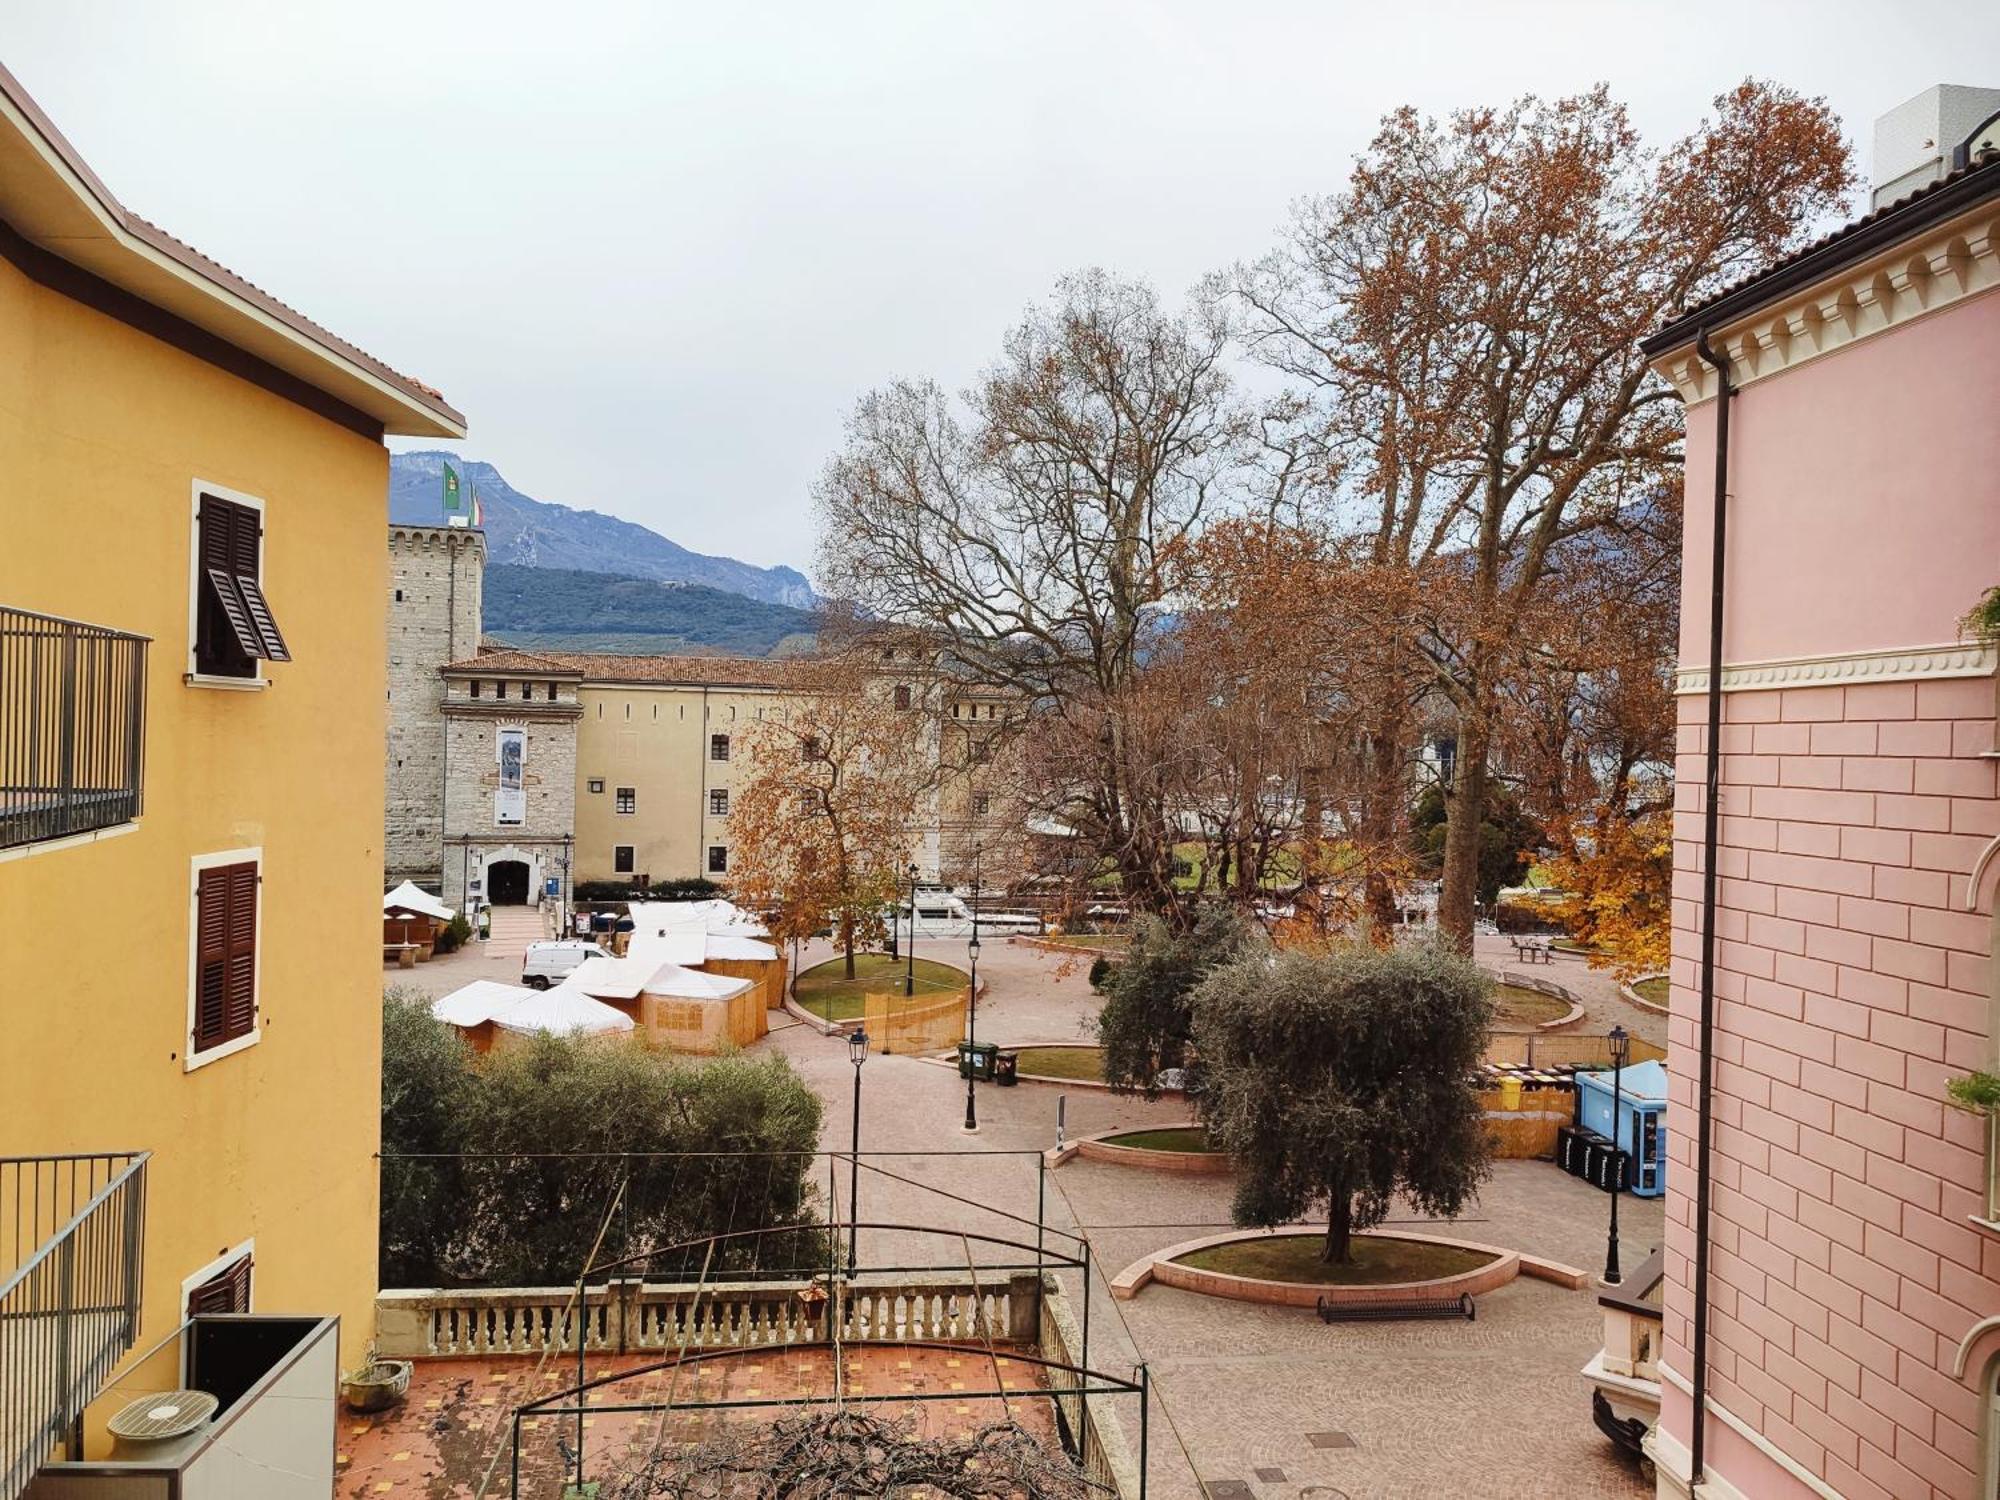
column 411, row 897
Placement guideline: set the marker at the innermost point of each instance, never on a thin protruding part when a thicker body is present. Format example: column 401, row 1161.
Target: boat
column 941, row 913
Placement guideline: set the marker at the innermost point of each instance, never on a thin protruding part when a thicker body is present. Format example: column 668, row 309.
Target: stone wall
column 474, row 838
column 433, row 601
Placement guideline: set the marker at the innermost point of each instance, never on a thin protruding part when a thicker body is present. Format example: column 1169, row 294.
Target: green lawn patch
column 1654, row 989
column 1189, row 1138
column 1082, row 1063
column 1295, row 1257
column 828, row 993
column 1513, row 1006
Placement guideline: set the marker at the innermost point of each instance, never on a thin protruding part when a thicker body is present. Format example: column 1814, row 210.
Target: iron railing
column 72, row 727
column 73, row 1231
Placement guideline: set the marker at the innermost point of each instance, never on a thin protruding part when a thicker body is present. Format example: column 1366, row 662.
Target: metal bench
column 1400, row 1307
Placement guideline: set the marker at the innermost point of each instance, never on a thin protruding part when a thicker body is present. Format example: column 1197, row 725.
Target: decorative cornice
column 1909, row 664
column 1954, row 262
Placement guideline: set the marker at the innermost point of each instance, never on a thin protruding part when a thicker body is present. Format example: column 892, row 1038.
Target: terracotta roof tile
column 604, row 666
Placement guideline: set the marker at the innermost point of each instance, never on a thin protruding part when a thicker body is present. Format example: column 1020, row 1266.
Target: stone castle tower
column 436, row 576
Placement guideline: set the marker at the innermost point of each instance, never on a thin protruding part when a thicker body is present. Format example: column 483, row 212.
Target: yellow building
column 191, row 777
column 646, row 782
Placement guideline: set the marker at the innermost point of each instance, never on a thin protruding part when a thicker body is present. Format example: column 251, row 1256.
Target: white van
column 552, row 960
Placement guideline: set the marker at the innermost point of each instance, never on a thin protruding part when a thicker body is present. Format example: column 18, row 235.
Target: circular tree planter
column 1126, row 1147
column 1487, row 1268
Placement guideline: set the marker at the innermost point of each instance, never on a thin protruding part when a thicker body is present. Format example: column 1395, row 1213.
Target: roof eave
column 1898, row 223
column 112, row 243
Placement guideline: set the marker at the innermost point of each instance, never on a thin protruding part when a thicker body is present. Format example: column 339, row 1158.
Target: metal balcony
column 72, row 1238
column 72, row 727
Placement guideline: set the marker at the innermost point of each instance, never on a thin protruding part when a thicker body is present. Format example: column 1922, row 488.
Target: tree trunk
column 1465, row 812
column 847, row 939
column 1339, row 1225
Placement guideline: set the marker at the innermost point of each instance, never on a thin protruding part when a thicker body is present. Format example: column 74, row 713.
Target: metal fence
column 72, row 727
column 74, row 1231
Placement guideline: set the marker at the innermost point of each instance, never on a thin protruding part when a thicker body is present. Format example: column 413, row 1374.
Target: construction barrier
column 1517, row 1049
column 914, row 1023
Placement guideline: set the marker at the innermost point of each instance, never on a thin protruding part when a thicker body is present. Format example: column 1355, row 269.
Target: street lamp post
column 972, row 1008
column 910, row 974
column 857, row 1051
column 1621, row 1048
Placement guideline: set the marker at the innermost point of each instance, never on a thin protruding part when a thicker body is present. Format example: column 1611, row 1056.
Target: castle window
column 475, row 687
column 500, row 690
column 552, row 692
column 718, row 860
column 628, row 800
column 718, row 802
column 718, row 747
column 596, row 785
column 902, row 695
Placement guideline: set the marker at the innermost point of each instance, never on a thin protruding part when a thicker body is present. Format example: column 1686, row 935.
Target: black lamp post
column 1621, row 1048
column 972, row 1006
column 910, row 975
column 857, row 1052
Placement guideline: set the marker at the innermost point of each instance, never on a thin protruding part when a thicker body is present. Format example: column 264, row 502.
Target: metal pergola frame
column 841, row 1279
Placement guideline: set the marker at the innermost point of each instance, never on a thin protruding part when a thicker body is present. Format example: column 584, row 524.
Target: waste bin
column 975, row 1060
column 1007, row 1069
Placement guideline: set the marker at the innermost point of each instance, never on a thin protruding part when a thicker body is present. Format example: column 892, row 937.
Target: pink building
column 1833, row 1237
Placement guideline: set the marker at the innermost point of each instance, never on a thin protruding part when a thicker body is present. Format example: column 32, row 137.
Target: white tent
column 477, row 1002
column 411, row 897
column 674, row 982
column 513, row 1008
column 715, row 916
column 739, row 949
column 676, row 945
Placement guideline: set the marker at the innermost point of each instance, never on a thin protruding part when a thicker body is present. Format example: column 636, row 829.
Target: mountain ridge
column 524, row 531
column 577, row 609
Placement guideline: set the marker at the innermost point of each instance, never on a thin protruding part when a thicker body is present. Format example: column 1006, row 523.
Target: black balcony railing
column 72, row 727
column 72, row 1231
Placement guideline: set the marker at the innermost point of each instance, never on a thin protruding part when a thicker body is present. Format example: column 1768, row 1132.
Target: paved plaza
column 1268, row 1397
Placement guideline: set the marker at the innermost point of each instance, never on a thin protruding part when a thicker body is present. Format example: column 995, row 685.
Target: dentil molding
column 1909, row 664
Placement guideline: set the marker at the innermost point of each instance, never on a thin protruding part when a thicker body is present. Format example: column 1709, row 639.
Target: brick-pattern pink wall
column 1850, row 985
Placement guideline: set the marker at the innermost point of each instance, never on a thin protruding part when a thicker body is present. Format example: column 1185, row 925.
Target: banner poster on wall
column 510, row 801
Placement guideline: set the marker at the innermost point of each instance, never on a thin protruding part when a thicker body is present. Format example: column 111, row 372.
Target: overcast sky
column 655, row 251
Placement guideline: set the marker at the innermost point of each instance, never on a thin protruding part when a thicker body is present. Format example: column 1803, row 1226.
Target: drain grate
column 1226, row 1489
column 1270, row 1476
column 1330, row 1440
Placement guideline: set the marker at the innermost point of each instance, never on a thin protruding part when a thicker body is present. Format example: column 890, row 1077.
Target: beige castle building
column 517, row 774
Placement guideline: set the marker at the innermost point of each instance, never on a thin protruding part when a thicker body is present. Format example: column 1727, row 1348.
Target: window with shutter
column 227, row 1291
column 234, row 625
column 225, row 1002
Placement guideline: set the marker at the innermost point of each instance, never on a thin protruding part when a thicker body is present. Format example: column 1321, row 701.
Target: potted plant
column 377, row 1385
column 1982, row 621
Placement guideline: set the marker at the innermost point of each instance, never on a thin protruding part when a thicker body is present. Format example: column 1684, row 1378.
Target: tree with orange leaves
column 1464, row 324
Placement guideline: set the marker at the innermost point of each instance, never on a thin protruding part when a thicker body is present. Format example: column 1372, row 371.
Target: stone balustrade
column 634, row 1316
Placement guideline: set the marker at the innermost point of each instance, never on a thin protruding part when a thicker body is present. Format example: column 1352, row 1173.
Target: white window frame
column 628, row 796
column 257, row 681
column 721, row 794
column 217, row 1266
column 191, row 1059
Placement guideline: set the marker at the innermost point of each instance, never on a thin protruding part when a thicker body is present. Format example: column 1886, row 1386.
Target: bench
column 405, row 954
column 1399, row 1307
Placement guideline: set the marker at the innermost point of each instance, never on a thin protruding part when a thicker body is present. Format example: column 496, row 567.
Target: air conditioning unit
column 159, row 1428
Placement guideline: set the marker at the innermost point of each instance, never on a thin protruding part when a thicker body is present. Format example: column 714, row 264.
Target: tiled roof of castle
column 608, row 667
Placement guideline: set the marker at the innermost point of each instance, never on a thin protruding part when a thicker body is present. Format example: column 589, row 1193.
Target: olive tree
column 1146, row 1023
column 1339, row 1080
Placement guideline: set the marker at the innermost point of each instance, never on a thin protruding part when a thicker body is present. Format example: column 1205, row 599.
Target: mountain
column 533, row 533
column 567, row 609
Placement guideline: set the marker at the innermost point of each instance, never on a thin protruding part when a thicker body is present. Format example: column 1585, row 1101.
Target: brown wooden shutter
column 231, row 562
column 226, row 957
column 227, row 1291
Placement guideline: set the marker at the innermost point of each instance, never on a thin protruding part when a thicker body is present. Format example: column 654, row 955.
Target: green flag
column 451, row 500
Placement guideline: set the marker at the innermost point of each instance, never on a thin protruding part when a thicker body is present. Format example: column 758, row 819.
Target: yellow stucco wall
column 656, row 741
column 103, row 433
